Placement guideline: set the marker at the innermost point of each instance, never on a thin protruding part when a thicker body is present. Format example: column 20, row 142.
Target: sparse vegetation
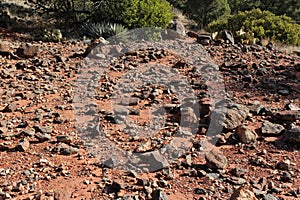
column 105, row 30
column 262, row 25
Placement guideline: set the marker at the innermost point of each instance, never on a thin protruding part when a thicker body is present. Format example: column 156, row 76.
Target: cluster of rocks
column 256, row 157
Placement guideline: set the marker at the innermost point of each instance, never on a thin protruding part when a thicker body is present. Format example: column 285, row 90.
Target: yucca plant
column 105, row 30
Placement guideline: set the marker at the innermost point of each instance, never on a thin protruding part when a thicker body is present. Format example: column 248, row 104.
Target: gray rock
column 292, row 136
column 132, row 101
column 28, row 131
column 120, row 114
column 230, row 116
column 64, row 149
column 269, row 128
column 153, row 160
column 246, row 135
column 216, row 160
column 256, row 47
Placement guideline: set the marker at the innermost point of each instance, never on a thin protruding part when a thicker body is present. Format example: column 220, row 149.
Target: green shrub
column 146, row 13
column 206, row 11
column 290, row 8
column 262, row 25
column 130, row 13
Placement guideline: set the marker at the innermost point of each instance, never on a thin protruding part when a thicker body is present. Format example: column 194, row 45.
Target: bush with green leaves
column 206, row 11
column 262, row 25
column 290, row 8
column 130, row 13
column 146, row 13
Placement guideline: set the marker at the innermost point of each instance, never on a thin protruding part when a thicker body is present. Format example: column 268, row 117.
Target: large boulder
column 229, row 115
column 270, row 129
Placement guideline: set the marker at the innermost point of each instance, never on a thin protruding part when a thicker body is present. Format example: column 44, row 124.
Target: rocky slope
column 43, row 156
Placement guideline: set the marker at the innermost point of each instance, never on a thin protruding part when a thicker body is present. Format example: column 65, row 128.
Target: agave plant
column 105, row 30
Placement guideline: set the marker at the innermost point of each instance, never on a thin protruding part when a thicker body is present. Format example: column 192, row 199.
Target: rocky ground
column 43, row 156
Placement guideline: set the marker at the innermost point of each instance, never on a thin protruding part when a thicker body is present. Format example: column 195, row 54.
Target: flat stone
column 121, row 111
column 270, row 129
column 215, row 159
column 154, row 160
